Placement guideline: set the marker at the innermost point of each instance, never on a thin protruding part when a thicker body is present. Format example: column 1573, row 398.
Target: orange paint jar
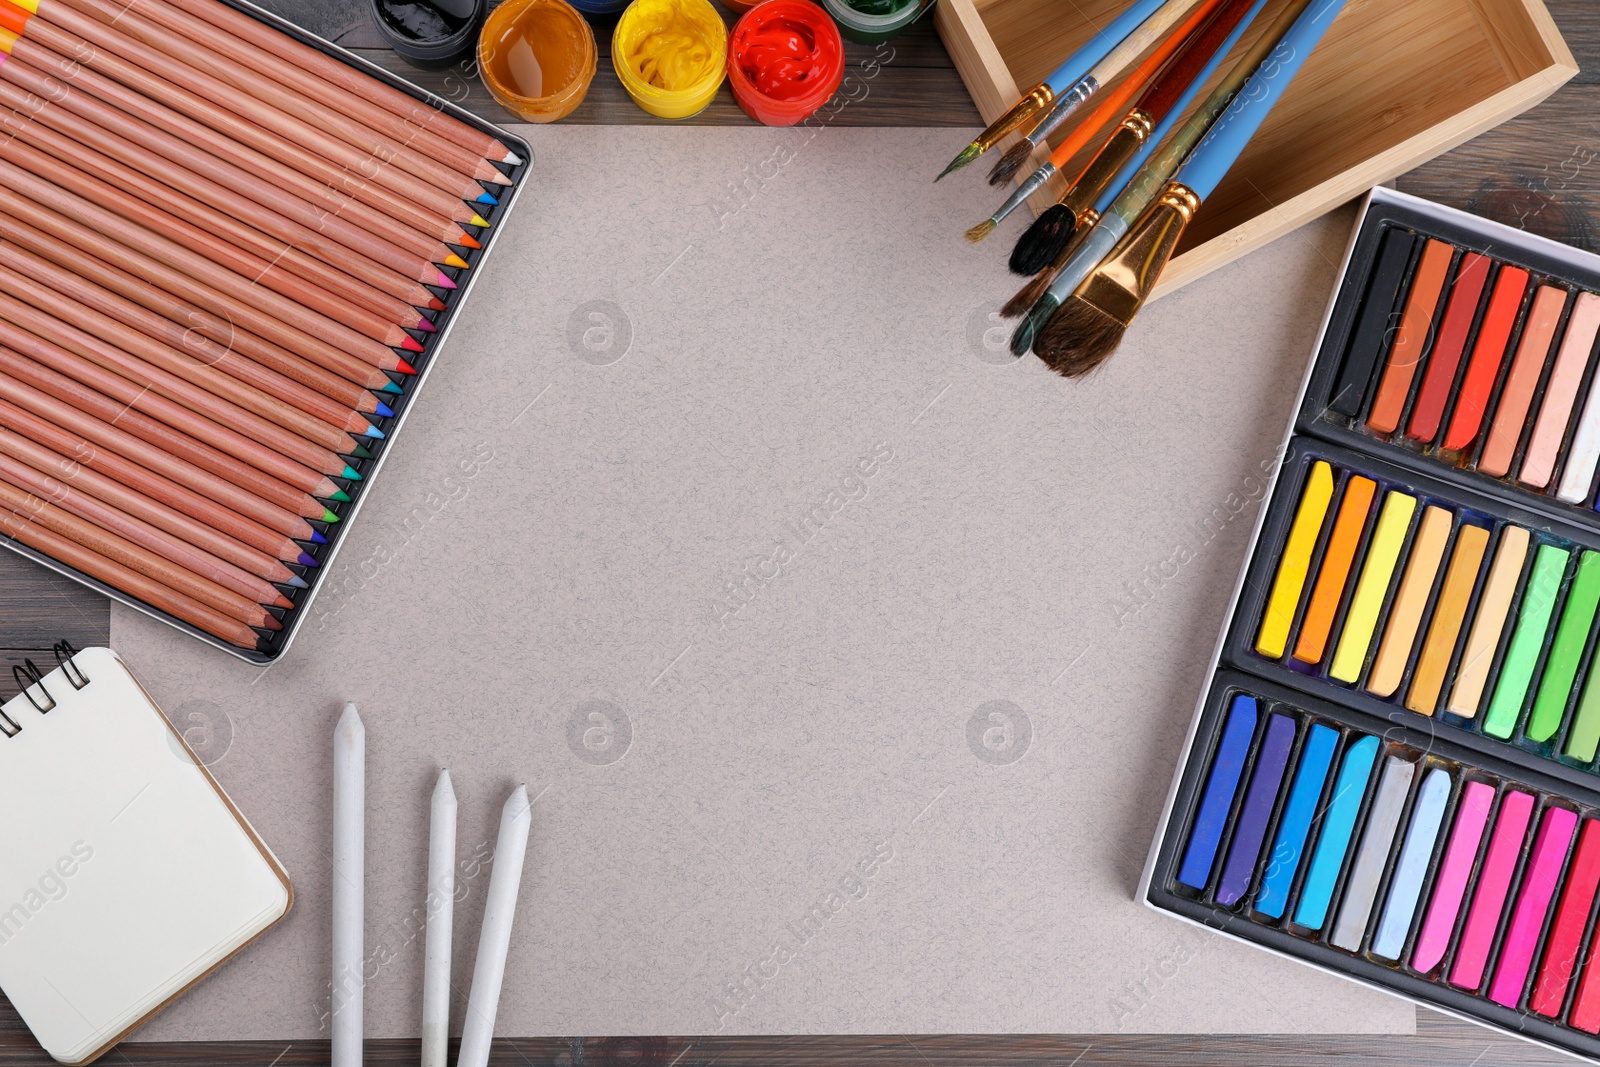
column 785, row 60
column 537, row 57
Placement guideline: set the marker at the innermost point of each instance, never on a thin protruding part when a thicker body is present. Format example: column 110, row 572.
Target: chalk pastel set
column 1394, row 770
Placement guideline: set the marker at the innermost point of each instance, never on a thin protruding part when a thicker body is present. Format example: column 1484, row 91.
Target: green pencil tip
column 360, row 451
column 967, row 155
column 328, row 516
column 341, row 496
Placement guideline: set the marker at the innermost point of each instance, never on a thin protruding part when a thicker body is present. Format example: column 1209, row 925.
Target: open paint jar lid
column 429, row 35
column 871, row 21
column 670, row 55
column 785, row 60
column 538, row 58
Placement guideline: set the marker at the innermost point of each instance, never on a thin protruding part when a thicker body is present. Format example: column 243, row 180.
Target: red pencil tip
column 435, row 304
column 410, row 344
column 405, row 368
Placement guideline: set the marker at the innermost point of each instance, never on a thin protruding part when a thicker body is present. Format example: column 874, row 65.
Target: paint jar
column 427, row 35
column 871, row 21
column 785, row 60
column 603, row 9
column 670, row 55
column 537, row 57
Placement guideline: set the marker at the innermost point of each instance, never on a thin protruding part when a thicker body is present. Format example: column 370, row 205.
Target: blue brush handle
column 1164, row 127
column 1099, row 46
column 1211, row 158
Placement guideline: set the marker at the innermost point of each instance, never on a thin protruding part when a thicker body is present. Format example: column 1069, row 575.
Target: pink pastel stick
column 1544, row 448
column 1533, row 904
column 1494, row 881
column 1472, row 815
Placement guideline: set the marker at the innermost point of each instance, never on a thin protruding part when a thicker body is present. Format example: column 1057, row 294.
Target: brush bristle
column 1011, row 162
column 1041, row 242
column 981, row 230
column 1026, row 297
column 1078, row 338
column 965, row 156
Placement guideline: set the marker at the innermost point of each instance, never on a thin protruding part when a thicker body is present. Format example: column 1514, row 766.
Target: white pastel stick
column 440, row 906
column 1578, row 474
column 349, row 848
column 489, row 970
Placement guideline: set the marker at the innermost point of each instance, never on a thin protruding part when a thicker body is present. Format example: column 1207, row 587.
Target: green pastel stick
column 1572, row 633
column 1585, row 735
column 1533, row 620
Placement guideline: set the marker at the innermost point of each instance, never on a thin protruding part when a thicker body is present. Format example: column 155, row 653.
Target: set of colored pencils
column 220, row 251
column 1097, row 254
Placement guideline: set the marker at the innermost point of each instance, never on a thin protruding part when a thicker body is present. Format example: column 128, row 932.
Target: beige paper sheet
column 671, row 399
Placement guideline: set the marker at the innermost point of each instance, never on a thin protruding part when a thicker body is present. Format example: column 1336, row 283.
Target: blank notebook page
column 125, row 873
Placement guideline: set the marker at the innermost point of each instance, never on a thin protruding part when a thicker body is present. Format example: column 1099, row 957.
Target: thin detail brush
column 1148, row 183
column 1042, row 95
column 1091, row 323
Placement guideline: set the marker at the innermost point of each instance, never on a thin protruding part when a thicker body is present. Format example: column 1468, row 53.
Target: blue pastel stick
column 1427, row 815
column 1079, row 63
column 1316, row 758
column 1250, row 829
column 1338, row 825
column 1232, row 751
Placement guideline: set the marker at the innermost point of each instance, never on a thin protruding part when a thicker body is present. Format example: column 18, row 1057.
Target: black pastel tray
column 432, row 345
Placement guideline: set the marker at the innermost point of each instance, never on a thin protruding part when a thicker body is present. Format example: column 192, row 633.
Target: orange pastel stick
column 1335, row 571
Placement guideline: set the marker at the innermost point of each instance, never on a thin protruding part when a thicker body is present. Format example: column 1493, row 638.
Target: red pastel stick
column 1487, row 355
column 1446, row 358
column 1566, row 933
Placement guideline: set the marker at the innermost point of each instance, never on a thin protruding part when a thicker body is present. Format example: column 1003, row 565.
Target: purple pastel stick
column 1251, row 829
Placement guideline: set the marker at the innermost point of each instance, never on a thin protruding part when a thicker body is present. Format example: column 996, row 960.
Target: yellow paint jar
column 537, row 57
column 670, row 55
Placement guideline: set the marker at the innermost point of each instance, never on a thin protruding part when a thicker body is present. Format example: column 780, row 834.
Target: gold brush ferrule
column 1034, row 100
column 1118, row 149
column 1121, row 284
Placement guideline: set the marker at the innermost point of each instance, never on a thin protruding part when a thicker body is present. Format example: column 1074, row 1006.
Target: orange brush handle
column 1115, row 103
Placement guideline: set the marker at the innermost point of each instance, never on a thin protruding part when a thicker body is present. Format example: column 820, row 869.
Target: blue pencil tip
column 373, row 431
column 350, row 474
column 393, row 388
column 385, row 411
column 488, row 198
column 317, row 538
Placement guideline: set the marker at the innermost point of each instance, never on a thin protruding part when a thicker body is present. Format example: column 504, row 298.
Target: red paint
column 1566, row 933
column 785, row 60
column 1440, row 378
column 1488, row 353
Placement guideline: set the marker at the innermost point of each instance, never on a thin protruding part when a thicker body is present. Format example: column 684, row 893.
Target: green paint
column 1561, row 669
column 1533, row 620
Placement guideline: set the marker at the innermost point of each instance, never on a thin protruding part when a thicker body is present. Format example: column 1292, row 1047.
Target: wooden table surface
column 1540, row 172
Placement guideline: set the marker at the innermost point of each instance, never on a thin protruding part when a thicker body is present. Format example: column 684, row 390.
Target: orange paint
column 537, row 57
column 1334, row 574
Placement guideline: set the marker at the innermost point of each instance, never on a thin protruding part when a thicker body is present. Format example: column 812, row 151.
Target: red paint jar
column 785, row 60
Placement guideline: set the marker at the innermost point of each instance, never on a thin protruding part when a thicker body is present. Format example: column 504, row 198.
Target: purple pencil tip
column 308, row 560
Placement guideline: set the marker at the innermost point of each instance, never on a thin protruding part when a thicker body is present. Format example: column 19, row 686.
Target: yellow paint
column 670, row 55
column 1382, row 555
column 1296, row 562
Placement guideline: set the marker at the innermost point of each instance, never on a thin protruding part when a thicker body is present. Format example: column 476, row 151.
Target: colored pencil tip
column 384, row 410
column 426, row 325
column 307, row 560
column 481, row 222
column 328, row 516
column 511, row 158
column 350, row 474
column 359, row 451
column 444, row 281
column 340, row 495
column 966, row 155
column 317, row 538
column 435, row 304
column 296, row 582
column 405, row 368
column 453, row 260
column 392, row 388
column 466, row 240
column 486, row 197
column 375, row 433
column 410, row 344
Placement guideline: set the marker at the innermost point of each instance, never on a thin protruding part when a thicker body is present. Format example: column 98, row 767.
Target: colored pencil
column 132, row 582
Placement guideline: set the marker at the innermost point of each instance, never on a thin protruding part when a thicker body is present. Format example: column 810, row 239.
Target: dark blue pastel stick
column 1234, row 748
column 1250, row 829
column 1316, row 758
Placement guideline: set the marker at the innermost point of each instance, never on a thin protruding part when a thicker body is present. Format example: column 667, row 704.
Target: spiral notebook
column 126, row 874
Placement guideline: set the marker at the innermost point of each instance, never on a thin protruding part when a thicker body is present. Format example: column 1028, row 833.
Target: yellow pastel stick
column 1296, row 562
column 1382, row 555
column 1405, row 617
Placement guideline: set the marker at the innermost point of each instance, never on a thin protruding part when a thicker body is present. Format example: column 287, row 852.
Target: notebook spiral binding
column 29, row 678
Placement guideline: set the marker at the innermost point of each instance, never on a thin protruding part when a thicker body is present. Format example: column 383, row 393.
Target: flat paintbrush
column 1101, row 117
column 1147, row 184
column 1091, row 323
column 1051, row 232
column 1063, row 77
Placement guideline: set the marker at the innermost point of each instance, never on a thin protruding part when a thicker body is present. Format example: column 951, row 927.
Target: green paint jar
column 871, row 21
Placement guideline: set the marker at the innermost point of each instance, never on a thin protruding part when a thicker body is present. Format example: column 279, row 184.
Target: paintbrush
column 1147, row 184
column 1189, row 70
column 1023, row 150
column 1064, row 76
column 1091, row 323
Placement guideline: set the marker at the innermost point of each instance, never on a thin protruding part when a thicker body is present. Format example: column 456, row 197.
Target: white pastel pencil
column 489, row 970
column 349, row 875
column 440, row 904
column 1578, row 474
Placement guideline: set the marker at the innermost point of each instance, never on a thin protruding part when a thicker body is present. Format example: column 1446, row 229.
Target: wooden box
column 1392, row 85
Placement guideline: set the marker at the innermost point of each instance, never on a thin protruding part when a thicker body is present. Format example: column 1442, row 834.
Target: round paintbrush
column 1147, row 184
column 1090, row 324
column 1162, row 104
column 1067, row 74
column 1023, row 150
